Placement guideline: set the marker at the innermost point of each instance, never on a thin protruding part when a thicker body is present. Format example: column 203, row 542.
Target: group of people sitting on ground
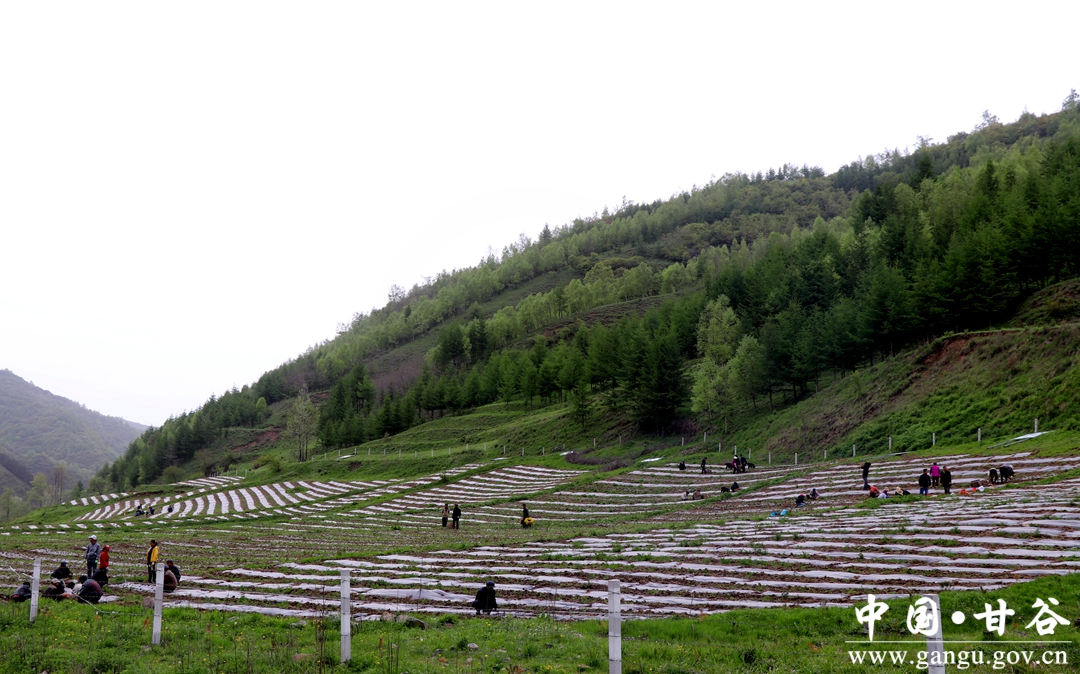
column 801, row 499
column 62, row 583
column 149, row 511
column 882, row 492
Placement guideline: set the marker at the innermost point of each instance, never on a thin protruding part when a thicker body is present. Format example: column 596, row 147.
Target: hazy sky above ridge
column 191, row 194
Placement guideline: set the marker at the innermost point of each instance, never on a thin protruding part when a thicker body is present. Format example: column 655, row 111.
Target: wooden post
column 933, row 439
column 720, row 446
column 770, row 458
column 978, row 436
column 706, row 438
column 346, row 617
column 522, row 451
column 1036, row 425
column 614, row 628
column 853, row 451
column 159, row 589
column 683, row 441
column 34, row 591
column 890, row 443
column 825, row 457
column 935, row 649
column 796, row 458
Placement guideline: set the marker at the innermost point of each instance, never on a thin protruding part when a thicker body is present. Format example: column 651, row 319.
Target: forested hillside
column 59, row 438
column 712, row 306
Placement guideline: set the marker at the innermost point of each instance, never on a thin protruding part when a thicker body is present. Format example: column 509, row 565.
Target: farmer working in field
column 485, row 599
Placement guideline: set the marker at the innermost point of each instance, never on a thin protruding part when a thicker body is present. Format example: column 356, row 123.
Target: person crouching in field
column 23, row 592
column 485, row 599
column 90, row 591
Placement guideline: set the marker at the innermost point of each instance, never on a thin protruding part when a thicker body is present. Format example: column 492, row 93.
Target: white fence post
column 614, row 628
column 796, row 458
column 890, row 443
column 933, row 439
column 935, row 649
column 159, row 589
column 853, row 451
column 346, row 617
column 34, row 591
column 1036, row 425
column 978, row 437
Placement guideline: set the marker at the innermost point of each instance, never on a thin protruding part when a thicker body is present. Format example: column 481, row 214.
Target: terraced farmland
column 279, row 548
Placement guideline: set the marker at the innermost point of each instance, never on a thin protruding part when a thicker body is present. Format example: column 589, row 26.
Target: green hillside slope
column 719, row 308
column 40, row 430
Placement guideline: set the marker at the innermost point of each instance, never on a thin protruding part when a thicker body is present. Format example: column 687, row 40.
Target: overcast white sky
column 192, row 193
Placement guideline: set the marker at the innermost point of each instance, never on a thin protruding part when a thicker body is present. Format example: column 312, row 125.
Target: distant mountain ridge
column 39, row 429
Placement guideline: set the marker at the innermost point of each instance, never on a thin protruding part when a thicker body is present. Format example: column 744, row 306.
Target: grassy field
column 115, row 638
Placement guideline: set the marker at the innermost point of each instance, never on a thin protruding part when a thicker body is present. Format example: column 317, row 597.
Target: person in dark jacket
column 102, row 576
column 90, row 591
column 1006, row 472
column 485, row 599
column 456, row 516
column 169, row 566
column 682, row 465
column 54, row 591
column 946, row 479
column 924, row 483
column 703, row 460
column 866, row 475
column 524, row 516
column 23, row 592
column 62, row 572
